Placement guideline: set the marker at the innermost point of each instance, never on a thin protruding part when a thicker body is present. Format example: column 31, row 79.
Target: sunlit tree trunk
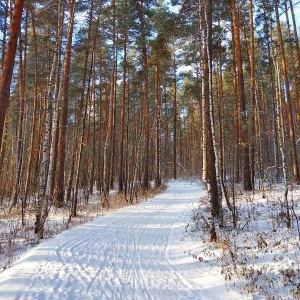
column 82, row 116
column 123, row 106
column 271, row 77
column 82, row 139
column 112, row 130
column 100, row 135
column 43, row 201
column 31, row 150
column 256, row 140
column 145, row 83
column 298, row 58
column 94, row 121
column 295, row 165
column 236, row 110
column 158, row 122
column 221, row 133
column 20, row 134
column 247, row 181
column 281, row 141
column 4, row 33
column 57, row 94
column 293, row 67
column 60, row 174
column 210, row 178
column 110, row 140
column 106, row 153
column 202, row 40
column 174, row 119
column 8, row 62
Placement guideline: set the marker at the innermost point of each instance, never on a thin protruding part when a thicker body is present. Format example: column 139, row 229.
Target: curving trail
column 134, row 253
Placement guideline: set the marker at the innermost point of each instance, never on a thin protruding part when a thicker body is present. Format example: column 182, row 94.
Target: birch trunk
column 57, row 94
column 43, row 201
column 281, row 142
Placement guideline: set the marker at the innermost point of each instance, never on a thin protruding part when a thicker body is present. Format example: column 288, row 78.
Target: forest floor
column 160, row 249
column 137, row 252
column 17, row 224
column 260, row 255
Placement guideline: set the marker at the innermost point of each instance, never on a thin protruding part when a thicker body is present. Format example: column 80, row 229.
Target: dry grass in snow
column 16, row 237
column 261, row 256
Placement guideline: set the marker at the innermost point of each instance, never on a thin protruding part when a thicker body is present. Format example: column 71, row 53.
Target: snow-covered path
column 137, row 252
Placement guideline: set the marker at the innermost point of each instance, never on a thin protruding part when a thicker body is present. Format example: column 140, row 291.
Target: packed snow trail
column 137, row 252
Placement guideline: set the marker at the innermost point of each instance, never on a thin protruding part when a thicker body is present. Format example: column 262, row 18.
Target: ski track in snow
column 134, row 253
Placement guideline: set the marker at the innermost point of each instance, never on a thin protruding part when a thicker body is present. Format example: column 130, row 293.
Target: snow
column 261, row 256
column 137, row 252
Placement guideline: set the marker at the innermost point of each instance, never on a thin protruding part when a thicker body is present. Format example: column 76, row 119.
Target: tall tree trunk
column 113, row 105
column 174, row 119
column 4, row 33
column 101, row 153
column 280, row 129
column 203, row 49
column 109, row 151
column 123, row 103
column 272, row 80
column 20, row 134
column 293, row 67
column 298, row 60
column 57, row 94
column 247, row 181
column 94, row 120
column 211, row 174
column 81, row 126
column 32, row 152
column 295, row 165
column 60, row 174
column 106, row 154
column 221, row 133
column 145, row 184
column 255, row 141
column 9, row 61
column 79, row 160
column 43, row 201
column 236, row 111
column 158, row 121
column 81, row 141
